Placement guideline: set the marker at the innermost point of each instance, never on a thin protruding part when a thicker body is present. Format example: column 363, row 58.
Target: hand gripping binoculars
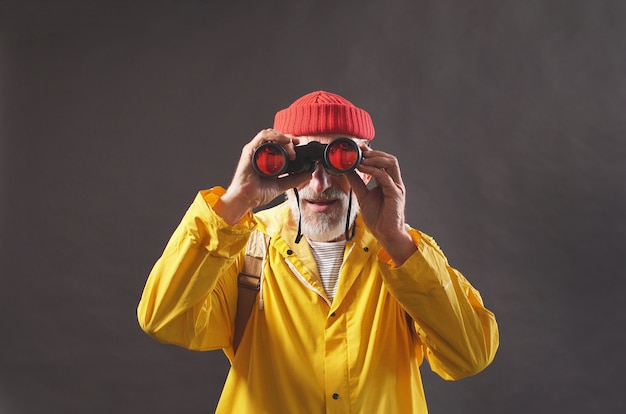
column 340, row 156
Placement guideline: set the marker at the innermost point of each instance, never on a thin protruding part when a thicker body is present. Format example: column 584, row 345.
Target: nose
column 320, row 180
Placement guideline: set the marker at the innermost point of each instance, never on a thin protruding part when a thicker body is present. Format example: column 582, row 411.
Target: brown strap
column 249, row 283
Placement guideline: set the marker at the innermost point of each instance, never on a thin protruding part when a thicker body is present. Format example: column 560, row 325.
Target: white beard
column 323, row 226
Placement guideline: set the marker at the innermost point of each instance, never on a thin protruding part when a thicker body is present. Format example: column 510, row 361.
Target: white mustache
column 328, row 194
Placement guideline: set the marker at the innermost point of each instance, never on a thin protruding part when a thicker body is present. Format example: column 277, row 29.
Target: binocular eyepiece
column 340, row 156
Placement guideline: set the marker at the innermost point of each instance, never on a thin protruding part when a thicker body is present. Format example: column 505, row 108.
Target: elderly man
column 351, row 298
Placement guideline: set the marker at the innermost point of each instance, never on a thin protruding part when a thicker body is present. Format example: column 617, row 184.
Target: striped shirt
column 329, row 258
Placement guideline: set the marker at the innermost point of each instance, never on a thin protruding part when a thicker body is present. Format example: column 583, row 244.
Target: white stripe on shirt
column 329, row 258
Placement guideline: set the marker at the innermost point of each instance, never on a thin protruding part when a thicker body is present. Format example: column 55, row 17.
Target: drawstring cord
column 261, row 301
column 299, row 235
column 350, row 236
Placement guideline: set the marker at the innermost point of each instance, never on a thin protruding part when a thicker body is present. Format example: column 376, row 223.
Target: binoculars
column 340, row 156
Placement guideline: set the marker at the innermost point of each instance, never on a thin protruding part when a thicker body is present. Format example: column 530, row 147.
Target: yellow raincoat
column 301, row 353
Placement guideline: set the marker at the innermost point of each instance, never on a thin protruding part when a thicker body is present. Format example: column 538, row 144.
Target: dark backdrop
column 507, row 118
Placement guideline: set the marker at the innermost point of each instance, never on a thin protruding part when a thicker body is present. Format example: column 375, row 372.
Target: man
column 346, row 314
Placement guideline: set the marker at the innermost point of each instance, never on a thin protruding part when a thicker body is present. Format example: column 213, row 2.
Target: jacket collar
column 278, row 224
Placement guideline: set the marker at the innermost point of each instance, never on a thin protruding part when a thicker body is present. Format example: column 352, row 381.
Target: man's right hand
column 249, row 190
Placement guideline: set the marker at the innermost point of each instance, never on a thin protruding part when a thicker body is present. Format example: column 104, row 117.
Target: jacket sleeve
column 190, row 296
column 458, row 335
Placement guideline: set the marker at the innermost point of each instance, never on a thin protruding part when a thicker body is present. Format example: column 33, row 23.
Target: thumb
column 358, row 186
column 293, row 180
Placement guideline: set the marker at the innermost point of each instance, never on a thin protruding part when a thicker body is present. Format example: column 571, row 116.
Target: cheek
column 303, row 185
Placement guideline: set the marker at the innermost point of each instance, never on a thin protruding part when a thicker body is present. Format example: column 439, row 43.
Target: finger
column 288, row 142
column 379, row 159
column 293, row 180
column 391, row 186
column 383, row 162
column 271, row 135
column 380, row 174
column 358, row 185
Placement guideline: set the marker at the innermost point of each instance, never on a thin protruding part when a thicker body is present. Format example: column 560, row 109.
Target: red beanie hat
column 320, row 113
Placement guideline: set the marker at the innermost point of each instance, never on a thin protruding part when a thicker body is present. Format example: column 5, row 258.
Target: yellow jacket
column 300, row 353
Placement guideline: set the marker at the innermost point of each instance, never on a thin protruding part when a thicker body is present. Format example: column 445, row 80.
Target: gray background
column 507, row 118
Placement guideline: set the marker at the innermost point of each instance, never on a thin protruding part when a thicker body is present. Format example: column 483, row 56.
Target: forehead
column 324, row 139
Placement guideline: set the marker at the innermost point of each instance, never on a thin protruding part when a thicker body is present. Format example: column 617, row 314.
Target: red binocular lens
column 270, row 160
column 340, row 156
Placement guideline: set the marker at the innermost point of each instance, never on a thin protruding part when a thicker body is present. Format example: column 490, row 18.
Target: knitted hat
column 320, row 113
